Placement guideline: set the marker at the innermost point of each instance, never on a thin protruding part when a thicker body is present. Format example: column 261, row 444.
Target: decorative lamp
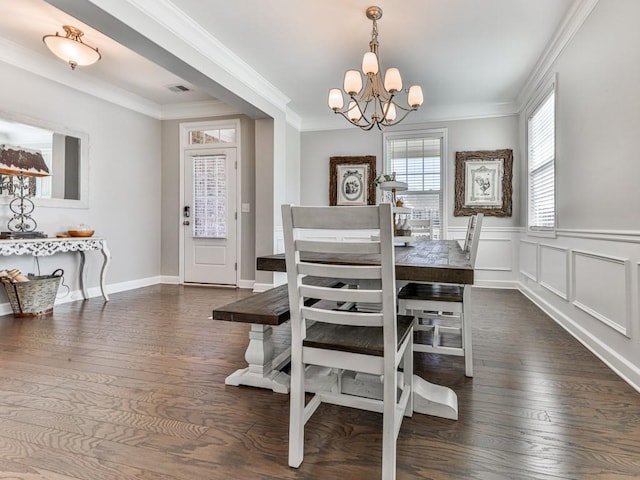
column 71, row 48
column 375, row 104
column 19, row 165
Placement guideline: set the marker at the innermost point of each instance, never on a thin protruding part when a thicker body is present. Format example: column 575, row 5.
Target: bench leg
column 259, row 355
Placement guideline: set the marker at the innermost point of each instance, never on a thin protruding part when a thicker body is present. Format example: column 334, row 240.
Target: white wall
column 587, row 277
column 124, row 176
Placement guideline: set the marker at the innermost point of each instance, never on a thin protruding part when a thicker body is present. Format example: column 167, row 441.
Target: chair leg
column 390, row 389
column 296, row 406
column 466, row 331
column 407, row 368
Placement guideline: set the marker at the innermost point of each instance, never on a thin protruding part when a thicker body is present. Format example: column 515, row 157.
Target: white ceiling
column 470, row 56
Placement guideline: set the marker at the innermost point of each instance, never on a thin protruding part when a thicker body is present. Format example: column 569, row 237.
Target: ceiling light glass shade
column 374, row 102
column 71, row 48
column 336, row 101
column 353, row 112
column 390, row 112
column 415, row 97
column 392, row 80
column 352, row 82
column 370, row 63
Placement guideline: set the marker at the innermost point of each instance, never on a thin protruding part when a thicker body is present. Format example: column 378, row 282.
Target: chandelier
column 375, row 104
column 71, row 48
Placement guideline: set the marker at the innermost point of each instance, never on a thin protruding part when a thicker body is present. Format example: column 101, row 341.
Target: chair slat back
column 421, row 226
column 473, row 237
column 376, row 283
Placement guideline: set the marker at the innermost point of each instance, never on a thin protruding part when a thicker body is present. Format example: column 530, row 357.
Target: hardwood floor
column 134, row 389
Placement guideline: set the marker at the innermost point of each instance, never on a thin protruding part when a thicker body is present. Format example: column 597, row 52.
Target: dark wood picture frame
column 484, row 183
column 363, row 168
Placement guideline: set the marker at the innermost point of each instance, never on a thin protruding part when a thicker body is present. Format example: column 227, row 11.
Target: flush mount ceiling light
column 71, row 48
column 377, row 97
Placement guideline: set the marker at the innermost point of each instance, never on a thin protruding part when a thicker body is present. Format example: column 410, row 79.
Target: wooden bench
column 263, row 311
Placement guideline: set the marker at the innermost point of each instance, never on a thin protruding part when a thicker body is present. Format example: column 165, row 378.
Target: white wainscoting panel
column 601, row 288
column 529, row 259
column 495, row 254
column 554, row 269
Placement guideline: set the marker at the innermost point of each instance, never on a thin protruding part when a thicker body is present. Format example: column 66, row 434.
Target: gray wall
column 171, row 214
column 598, row 120
column 124, row 178
column 264, row 193
column 481, row 134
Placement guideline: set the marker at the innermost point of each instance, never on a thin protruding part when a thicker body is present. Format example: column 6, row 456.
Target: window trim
column 548, row 87
column 442, row 134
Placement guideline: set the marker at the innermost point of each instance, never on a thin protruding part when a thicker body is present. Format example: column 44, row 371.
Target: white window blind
column 210, row 196
column 541, row 165
column 417, row 161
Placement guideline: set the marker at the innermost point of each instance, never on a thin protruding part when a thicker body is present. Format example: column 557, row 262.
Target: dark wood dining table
column 424, row 260
column 441, row 261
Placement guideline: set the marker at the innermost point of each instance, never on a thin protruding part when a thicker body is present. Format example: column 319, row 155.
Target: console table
column 41, row 247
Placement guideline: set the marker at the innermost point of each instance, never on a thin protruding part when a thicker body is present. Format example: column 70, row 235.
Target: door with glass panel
column 209, row 216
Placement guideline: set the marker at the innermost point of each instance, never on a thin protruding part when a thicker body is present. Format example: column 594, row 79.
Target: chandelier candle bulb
column 354, row 112
column 370, row 63
column 390, row 112
column 415, row 97
column 352, row 82
column 392, row 80
column 336, row 102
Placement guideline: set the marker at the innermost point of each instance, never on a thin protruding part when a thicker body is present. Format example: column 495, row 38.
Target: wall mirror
column 65, row 152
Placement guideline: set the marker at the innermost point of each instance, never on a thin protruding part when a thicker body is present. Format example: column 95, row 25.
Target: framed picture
column 351, row 180
column 483, row 183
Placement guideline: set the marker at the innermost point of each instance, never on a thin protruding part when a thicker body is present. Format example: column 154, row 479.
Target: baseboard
column 501, row 284
column 621, row 366
column 170, row 279
column 249, row 284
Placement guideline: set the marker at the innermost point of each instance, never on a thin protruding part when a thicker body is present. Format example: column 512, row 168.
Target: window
column 417, row 159
column 541, row 165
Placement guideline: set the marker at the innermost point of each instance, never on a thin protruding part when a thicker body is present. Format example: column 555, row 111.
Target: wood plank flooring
column 134, row 389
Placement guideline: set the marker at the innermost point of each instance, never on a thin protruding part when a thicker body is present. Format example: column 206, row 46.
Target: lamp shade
column 370, row 63
column 22, row 161
column 415, row 97
column 390, row 112
column 335, row 99
column 353, row 112
column 352, row 82
column 71, row 48
column 392, row 80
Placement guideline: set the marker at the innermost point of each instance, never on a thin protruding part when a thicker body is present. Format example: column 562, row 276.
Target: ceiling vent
column 178, row 88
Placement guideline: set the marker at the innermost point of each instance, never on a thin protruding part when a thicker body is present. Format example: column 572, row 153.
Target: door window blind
column 210, row 196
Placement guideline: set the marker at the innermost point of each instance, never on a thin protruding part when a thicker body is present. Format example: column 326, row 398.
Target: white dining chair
column 422, row 227
column 332, row 333
column 443, row 311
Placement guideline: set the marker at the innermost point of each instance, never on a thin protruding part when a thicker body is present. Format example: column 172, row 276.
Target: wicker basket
column 35, row 297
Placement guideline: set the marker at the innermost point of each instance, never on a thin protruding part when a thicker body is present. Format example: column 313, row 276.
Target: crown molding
column 573, row 21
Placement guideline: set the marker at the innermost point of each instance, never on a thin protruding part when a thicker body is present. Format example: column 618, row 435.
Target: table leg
column 83, row 279
column 106, row 258
column 259, row 356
